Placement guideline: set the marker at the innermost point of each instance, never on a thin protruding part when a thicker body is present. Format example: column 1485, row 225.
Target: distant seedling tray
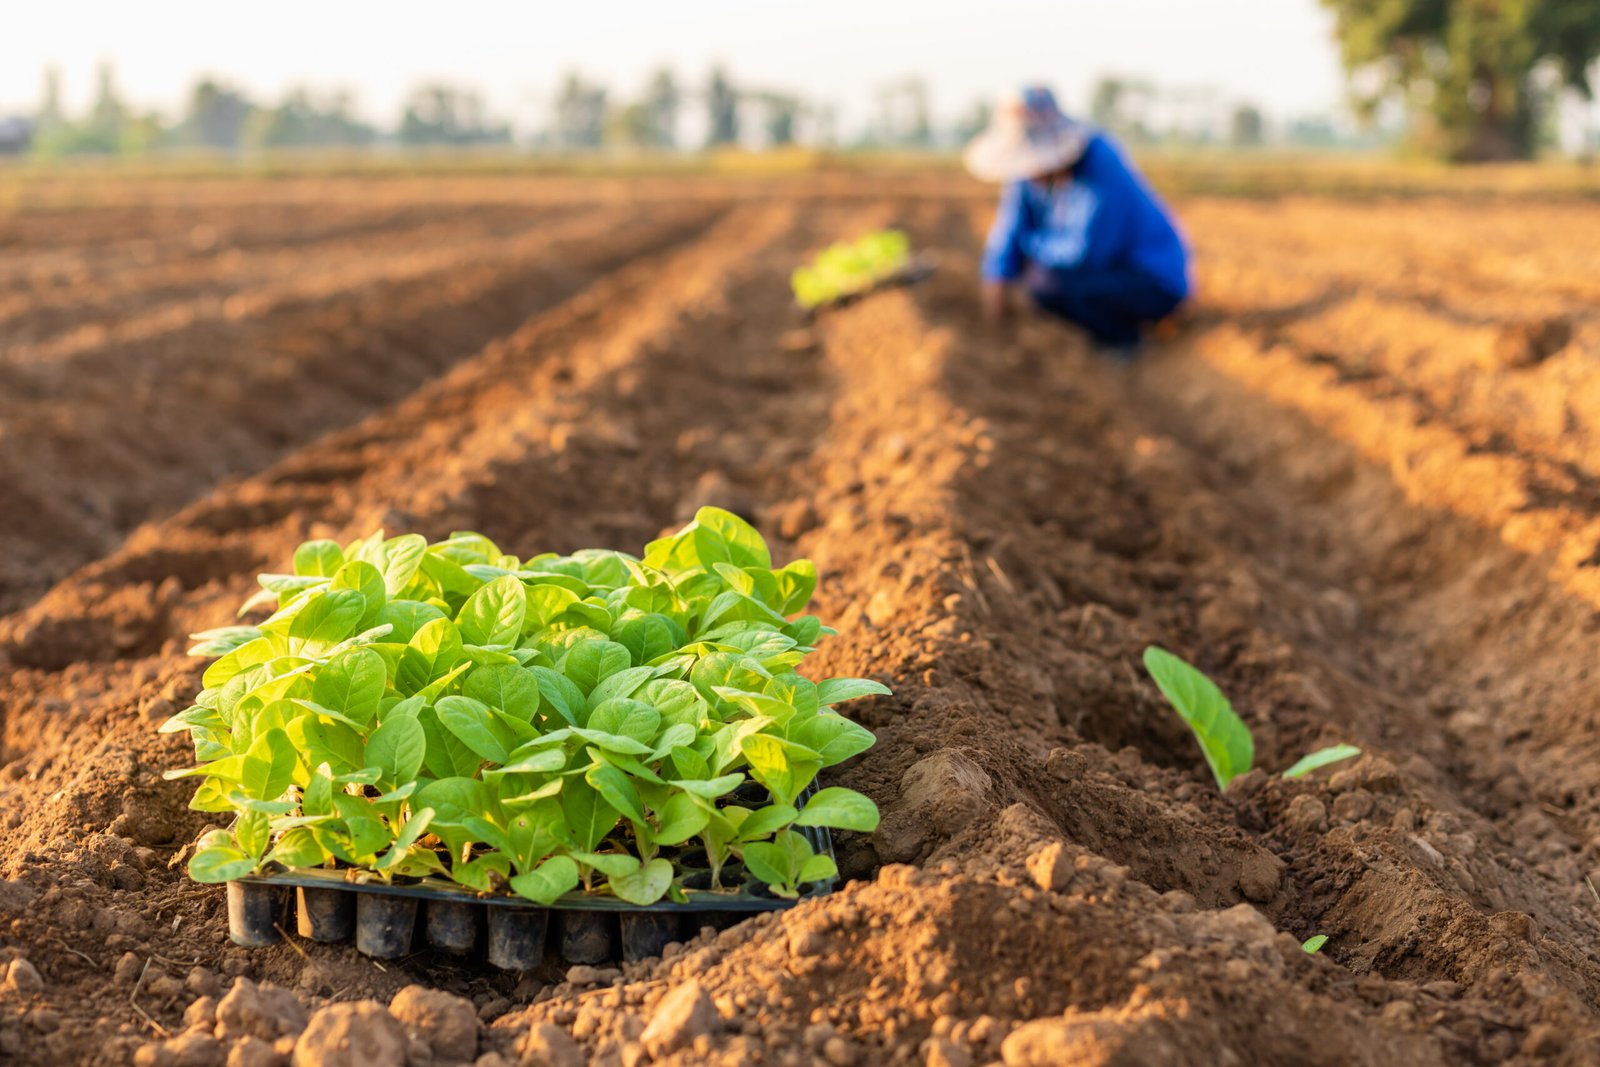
column 388, row 920
column 920, row 268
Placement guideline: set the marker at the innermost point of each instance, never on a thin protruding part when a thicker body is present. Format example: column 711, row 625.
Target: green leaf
column 220, row 864
column 397, row 747
column 495, row 613
column 1313, row 944
column 407, row 617
column 328, row 618
column 514, row 690
column 832, row 736
column 1321, row 758
column 768, row 863
column 402, row 558
column 744, row 545
column 268, row 766
column 681, row 818
column 626, row 718
column 298, row 849
column 838, row 690
column 554, row 877
column 362, row 578
column 353, row 683
column 589, row 818
column 817, row 869
column 470, row 721
column 318, row 558
column 644, row 886
column 764, row 822
column 588, row 663
column 618, row 790
column 610, row 864
column 562, row 694
column 840, row 808
column 253, row 832
column 1223, row 736
column 430, row 653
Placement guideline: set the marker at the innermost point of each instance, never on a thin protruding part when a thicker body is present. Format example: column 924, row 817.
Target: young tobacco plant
column 851, row 267
column 1224, row 738
column 447, row 710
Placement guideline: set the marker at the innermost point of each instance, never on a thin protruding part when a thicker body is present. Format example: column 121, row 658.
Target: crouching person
column 1077, row 226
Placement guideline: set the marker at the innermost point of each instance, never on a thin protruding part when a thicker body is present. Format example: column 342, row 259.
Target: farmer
column 1077, row 225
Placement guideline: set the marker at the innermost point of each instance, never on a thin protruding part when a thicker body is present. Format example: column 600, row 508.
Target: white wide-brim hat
column 1028, row 136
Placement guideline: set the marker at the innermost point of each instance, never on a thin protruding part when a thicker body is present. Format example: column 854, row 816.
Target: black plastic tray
column 386, row 919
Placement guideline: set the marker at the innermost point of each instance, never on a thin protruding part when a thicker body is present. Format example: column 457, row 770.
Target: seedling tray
column 390, row 920
column 918, row 269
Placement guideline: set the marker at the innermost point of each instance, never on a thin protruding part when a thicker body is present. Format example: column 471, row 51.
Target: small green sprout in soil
column 415, row 710
column 1314, row 943
column 850, row 268
column 1224, row 738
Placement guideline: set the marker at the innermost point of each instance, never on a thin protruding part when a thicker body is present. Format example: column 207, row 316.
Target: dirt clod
column 356, row 1034
column 449, row 1024
column 681, row 1016
column 548, row 1045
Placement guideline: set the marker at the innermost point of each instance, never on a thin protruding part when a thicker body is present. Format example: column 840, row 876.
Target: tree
column 580, row 114
column 443, row 115
column 1478, row 71
column 1122, row 106
column 662, row 100
column 217, row 116
column 1246, row 128
column 722, row 104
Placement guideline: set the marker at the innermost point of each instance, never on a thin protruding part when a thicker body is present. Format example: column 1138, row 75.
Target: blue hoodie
column 1105, row 217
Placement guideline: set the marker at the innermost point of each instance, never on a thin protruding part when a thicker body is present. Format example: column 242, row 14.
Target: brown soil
column 1356, row 490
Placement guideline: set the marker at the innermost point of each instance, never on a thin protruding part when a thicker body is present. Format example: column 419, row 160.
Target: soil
column 1355, row 488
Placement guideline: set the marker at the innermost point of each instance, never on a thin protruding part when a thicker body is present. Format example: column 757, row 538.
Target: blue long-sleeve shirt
column 1105, row 217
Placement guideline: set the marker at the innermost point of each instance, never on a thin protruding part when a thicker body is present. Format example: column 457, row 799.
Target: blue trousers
column 1112, row 304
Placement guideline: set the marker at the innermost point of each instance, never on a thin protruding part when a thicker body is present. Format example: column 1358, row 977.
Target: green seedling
column 1321, row 758
column 1313, row 944
column 536, row 726
column 1224, row 738
column 850, row 268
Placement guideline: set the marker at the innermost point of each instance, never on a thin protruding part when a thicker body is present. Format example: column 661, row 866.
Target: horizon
column 1279, row 56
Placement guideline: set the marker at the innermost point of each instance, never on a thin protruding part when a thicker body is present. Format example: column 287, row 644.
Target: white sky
column 1278, row 53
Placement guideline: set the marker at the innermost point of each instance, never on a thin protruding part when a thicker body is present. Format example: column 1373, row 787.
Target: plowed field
column 1360, row 489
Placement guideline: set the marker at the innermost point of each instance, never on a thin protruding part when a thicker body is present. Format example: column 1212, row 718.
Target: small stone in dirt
column 1051, row 867
column 355, row 1034
column 1051, row 1042
column 267, row 1011
column 448, row 1023
column 202, row 981
column 1306, row 812
column 254, row 1052
column 127, row 969
column 681, row 1016
column 1353, row 806
column 803, row 942
column 940, row 793
column 839, row 1052
column 194, row 1049
column 201, row 1014
column 23, row 977
column 940, row 1052
column 1260, row 875
column 583, row 974
column 158, row 709
column 548, row 1045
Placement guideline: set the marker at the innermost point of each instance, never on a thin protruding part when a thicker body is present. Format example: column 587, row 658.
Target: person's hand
column 996, row 306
